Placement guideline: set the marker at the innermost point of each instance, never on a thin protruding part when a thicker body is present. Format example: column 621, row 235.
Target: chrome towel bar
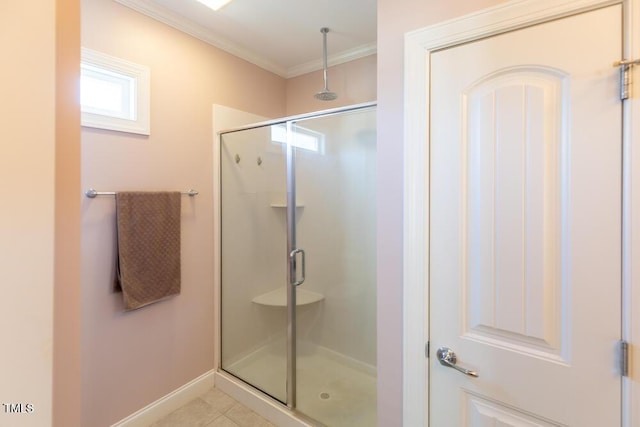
column 91, row 193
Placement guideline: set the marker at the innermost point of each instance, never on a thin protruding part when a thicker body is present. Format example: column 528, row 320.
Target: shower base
column 336, row 390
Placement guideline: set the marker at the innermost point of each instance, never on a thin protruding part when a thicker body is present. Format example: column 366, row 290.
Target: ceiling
column 282, row 36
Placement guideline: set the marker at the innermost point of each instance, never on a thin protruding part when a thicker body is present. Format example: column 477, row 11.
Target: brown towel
column 148, row 246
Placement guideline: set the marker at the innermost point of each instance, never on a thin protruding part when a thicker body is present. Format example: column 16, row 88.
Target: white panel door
column 525, row 226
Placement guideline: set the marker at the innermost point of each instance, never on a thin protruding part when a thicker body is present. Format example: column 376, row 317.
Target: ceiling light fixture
column 215, row 4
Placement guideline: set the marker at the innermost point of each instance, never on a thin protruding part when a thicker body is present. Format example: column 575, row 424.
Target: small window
column 302, row 137
column 114, row 93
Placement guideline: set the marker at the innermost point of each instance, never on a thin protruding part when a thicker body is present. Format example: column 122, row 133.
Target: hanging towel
column 148, row 265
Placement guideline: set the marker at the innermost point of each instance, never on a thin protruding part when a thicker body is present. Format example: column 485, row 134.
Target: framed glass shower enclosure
column 298, row 272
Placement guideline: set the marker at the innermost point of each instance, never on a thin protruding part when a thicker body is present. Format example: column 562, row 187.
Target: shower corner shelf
column 278, row 298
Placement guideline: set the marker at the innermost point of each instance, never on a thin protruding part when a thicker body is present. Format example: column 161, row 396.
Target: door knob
column 448, row 358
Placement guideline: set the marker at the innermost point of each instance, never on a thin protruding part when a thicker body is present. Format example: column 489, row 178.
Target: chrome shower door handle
column 294, row 270
column 448, row 358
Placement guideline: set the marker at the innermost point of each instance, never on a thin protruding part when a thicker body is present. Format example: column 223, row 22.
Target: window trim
column 140, row 74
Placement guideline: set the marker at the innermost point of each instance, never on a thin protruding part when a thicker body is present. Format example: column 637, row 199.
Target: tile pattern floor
column 213, row 409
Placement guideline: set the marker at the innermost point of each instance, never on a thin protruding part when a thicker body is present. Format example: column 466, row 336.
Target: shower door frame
column 292, row 249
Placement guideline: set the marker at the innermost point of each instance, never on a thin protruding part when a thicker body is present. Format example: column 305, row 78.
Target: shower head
column 325, row 94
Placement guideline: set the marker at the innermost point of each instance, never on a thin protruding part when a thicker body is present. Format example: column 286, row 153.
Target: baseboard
column 169, row 403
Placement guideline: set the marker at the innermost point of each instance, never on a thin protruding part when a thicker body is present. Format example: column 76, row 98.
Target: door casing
column 419, row 45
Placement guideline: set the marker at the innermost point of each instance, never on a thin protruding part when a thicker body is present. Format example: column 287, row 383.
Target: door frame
column 419, row 45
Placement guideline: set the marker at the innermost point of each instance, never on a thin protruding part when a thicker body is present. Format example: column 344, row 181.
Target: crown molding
column 339, row 58
column 172, row 19
column 180, row 23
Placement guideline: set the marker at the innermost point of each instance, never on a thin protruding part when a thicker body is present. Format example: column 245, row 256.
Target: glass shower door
column 335, row 226
column 253, row 258
column 298, row 245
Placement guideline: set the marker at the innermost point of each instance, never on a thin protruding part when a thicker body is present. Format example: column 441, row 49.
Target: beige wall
column 354, row 82
column 395, row 18
column 132, row 359
column 39, row 238
column 67, row 320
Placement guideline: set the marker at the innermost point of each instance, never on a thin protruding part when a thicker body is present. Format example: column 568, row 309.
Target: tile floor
column 213, row 409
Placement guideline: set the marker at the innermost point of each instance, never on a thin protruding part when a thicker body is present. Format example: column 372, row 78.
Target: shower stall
column 298, row 272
